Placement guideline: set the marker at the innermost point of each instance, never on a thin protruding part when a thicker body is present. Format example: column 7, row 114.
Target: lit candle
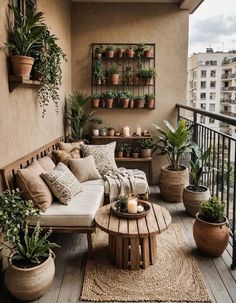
column 138, row 131
column 132, row 206
column 126, row 131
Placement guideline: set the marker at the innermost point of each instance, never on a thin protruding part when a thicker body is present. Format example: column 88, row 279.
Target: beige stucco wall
column 22, row 128
column 163, row 24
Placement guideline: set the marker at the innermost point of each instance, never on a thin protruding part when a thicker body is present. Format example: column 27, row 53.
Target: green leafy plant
column 96, row 121
column 138, row 98
column 139, row 51
column 99, row 49
column 129, row 95
column 127, row 148
column 77, row 117
column 96, row 96
column 26, row 34
column 212, row 210
column 109, row 48
column 174, row 142
column 120, row 148
column 98, row 70
column 109, row 94
column 149, row 97
column 148, row 143
column 113, row 70
column 122, row 202
column 147, row 73
column 197, row 167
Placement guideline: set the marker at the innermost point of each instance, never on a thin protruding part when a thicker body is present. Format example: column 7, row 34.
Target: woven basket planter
column 172, row 183
column 192, row 199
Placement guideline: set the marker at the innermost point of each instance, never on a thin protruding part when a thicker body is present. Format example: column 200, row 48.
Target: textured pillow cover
column 68, row 147
column 64, row 157
column 62, row 183
column 84, row 169
column 33, row 187
column 46, row 163
column 104, row 156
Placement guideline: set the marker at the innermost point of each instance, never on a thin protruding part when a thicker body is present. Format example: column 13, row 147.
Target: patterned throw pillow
column 62, row 183
column 104, row 156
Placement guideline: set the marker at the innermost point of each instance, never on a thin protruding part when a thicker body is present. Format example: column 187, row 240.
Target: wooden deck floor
column 71, row 258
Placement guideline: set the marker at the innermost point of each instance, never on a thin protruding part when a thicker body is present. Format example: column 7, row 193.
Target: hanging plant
column 47, row 69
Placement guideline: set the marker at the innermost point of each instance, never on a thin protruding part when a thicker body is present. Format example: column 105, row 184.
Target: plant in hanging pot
column 95, row 100
column 147, row 75
column 31, row 265
column 98, row 72
column 120, row 151
column 174, row 142
column 149, row 101
column 95, row 129
column 109, row 51
column 139, row 102
column 114, row 74
column 130, row 52
column 109, row 98
column 147, row 146
column 98, row 52
column 211, row 228
column 76, row 115
column 24, row 37
column 195, row 193
column 127, row 149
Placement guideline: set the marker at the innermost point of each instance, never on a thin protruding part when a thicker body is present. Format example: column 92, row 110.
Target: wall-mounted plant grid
column 123, row 71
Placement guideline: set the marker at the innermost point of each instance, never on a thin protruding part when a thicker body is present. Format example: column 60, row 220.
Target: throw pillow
column 64, row 157
column 69, row 146
column 47, row 163
column 62, row 183
column 104, row 156
column 84, row 169
column 33, row 187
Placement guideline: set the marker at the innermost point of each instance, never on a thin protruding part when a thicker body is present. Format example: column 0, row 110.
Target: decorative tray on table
column 124, row 213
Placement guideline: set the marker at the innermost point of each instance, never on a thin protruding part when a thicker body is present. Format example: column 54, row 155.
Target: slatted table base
column 133, row 253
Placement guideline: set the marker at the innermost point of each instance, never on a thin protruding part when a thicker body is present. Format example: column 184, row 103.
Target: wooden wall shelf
column 120, row 137
column 130, row 159
column 133, row 108
column 15, row 81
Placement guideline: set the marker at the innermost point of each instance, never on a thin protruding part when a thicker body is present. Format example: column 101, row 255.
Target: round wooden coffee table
column 132, row 242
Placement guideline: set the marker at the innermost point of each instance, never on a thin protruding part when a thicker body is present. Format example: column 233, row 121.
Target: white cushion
column 79, row 212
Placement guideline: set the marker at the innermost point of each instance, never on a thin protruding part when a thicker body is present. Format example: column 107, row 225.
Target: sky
column 213, row 24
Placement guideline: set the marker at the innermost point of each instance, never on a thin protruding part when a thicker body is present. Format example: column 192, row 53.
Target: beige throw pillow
column 84, row 169
column 69, row 146
column 64, row 157
column 33, row 187
column 46, row 163
column 62, row 183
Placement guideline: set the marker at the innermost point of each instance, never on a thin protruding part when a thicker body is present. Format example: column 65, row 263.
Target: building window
column 194, row 74
column 203, row 106
column 213, row 84
column 211, row 121
column 203, row 73
column 213, row 73
column 203, row 96
column 212, row 96
column 203, row 84
column 212, row 107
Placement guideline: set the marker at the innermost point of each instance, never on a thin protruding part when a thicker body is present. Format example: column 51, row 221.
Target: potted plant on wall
column 147, row 75
column 130, row 52
column 31, row 265
column 109, row 98
column 24, row 37
column 98, row 52
column 128, row 75
column 95, row 100
column 98, row 72
column 195, row 193
column 139, row 102
column 148, row 52
column 211, row 228
column 114, row 74
column 109, row 51
column 174, row 143
column 149, row 100
column 147, row 146
column 76, row 116
column 120, row 52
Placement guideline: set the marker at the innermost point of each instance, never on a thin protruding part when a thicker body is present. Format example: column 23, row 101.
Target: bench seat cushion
column 79, row 212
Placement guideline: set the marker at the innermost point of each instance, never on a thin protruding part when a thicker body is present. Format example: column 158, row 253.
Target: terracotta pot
column 135, row 155
column 95, row 102
column 211, row 238
column 145, row 152
column 119, row 154
column 109, row 54
column 22, row 65
column 120, row 53
column 109, row 102
column 193, row 199
column 125, row 103
column 148, row 53
column 172, row 183
column 131, row 103
column 139, row 103
column 130, row 53
column 150, row 103
column 111, row 132
column 98, row 82
column 146, row 81
column 28, row 284
column 115, row 79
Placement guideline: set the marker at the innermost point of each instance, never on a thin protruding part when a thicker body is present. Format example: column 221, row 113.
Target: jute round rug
column 174, row 278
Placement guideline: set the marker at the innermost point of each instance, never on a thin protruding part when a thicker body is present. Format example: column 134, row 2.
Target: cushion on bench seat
column 79, row 212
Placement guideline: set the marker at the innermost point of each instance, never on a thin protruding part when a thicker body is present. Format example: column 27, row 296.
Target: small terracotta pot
column 22, row 65
column 145, row 152
column 98, row 56
column 148, row 53
column 98, row 82
column 120, row 52
column 95, row 102
column 150, row 103
column 111, row 132
column 109, row 102
column 125, row 103
column 109, row 54
column 139, row 103
column 135, row 155
column 130, row 53
column 119, row 154
column 146, row 81
column 131, row 103
column 211, row 238
column 114, row 79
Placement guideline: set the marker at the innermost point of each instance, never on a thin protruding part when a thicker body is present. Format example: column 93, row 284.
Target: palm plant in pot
column 195, row 193
column 211, row 228
column 31, row 264
column 174, row 142
column 24, row 37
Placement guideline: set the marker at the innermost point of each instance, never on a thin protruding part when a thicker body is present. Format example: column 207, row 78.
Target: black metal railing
column 222, row 180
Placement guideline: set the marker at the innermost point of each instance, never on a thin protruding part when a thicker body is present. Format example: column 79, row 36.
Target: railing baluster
column 223, row 168
column 213, row 164
column 218, row 165
column 228, row 178
column 234, row 211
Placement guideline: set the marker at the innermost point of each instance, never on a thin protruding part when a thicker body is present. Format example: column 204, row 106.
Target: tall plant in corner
column 77, row 116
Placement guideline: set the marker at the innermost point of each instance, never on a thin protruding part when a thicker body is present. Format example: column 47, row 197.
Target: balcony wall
column 22, row 129
column 163, row 24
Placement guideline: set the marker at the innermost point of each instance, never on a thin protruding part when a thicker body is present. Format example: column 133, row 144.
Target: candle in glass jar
column 132, row 206
column 126, row 131
column 138, row 131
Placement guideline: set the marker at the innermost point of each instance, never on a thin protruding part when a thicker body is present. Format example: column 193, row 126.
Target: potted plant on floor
column 174, row 142
column 147, row 75
column 95, row 100
column 149, row 101
column 195, row 193
column 98, row 72
column 127, row 149
column 211, row 228
column 139, row 102
column 114, row 74
column 24, row 36
column 147, row 146
column 120, row 151
column 95, row 129
column 76, row 115
column 109, row 51
column 31, row 265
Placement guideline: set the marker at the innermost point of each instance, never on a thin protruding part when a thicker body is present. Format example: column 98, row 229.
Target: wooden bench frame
column 8, row 174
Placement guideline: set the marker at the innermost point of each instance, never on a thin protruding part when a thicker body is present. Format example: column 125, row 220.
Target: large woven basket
column 172, row 183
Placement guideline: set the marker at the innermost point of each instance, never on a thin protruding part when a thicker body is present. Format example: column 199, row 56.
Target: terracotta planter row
column 129, row 53
column 126, row 103
column 144, row 153
column 114, row 80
